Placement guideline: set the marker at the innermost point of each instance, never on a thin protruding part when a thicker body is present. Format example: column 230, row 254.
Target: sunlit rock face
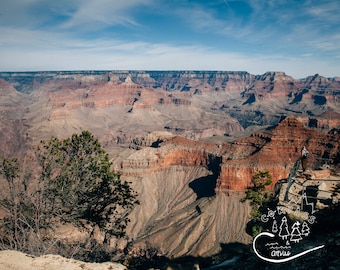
column 183, row 180
column 275, row 151
column 119, row 105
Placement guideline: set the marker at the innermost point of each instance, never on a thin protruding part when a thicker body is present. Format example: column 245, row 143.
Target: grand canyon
column 188, row 141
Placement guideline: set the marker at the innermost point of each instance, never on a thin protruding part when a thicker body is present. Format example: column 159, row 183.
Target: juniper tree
column 258, row 197
column 81, row 185
column 71, row 181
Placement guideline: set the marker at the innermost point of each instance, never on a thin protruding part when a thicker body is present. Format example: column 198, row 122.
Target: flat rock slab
column 14, row 260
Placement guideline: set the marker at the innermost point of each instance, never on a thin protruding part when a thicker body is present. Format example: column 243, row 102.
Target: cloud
column 57, row 52
column 102, row 13
column 325, row 10
column 34, row 13
column 270, row 23
column 74, row 14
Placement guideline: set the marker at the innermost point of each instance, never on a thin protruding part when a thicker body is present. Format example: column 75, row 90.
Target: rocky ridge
column 201, row 105
column 275, row 151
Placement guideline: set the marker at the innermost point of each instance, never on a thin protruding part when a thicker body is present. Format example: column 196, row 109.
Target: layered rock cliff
column 188, row 184
column 12, row 128
column 275, row 151
column 194, row 104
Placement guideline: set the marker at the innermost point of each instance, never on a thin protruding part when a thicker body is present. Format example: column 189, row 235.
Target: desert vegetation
column 65, row 182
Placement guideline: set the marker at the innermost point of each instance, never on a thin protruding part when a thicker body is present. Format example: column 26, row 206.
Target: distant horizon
column 160, row 70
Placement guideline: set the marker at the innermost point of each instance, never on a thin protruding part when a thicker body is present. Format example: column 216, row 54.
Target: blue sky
column 299, row 37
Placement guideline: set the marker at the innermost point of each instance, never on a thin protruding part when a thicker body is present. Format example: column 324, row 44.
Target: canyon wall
column 189, row 187
column 275, row 151
column 120, row 105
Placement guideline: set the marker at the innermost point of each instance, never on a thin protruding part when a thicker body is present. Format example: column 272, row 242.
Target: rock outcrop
column 275, row 151
column 13, row 260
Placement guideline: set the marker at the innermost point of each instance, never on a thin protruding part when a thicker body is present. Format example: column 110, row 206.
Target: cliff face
column 115, row 106
column 191, row 81
column 176, row 178
column 125, row 94
column 12, row 138
column 234, row 164
column 185, row 183
column 325, row 122
column 271, row 85
column 194, row 104
column 275, row 151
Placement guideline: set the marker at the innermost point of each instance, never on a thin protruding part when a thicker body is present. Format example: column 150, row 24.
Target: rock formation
column 274, row 151
column 185, row 183
column 194, row 104
column 13, row 260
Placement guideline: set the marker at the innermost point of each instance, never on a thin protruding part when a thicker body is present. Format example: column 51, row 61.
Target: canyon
column 188, row 141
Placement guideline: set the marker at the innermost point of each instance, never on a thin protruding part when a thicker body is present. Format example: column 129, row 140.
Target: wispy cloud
column 69, row 13
column 110, row 54
column 101, row 13
column 281, row 23
column 325, row 10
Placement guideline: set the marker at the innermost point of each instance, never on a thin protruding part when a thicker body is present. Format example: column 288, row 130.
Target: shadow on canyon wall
column 230, row 255
column 204, row 186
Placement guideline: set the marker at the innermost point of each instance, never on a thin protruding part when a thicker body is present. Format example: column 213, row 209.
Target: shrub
column 258, row 197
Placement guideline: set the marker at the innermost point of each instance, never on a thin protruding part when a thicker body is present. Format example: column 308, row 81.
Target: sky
column 298, row 37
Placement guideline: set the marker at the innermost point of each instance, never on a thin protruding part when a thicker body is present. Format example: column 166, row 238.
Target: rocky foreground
column 14, row 260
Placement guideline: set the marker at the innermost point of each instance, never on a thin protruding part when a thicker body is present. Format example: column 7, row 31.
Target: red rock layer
column 110, row 94
column 275, row 151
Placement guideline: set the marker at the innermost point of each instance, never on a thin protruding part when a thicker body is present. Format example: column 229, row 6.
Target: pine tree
column 284, row 232
column 256, row 193
column 80, row 185
column 296, row 234
column 258, row 197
